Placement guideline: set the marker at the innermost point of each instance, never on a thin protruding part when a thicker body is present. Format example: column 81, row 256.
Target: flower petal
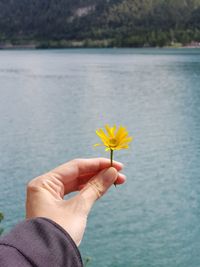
column 122, row 132
column 113, row 129
column 126, row 140
column 98, row 144
column 103, row 136
column 109, row 130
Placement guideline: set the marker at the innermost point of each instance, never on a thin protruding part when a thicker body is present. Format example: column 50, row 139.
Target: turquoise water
column 52, row 101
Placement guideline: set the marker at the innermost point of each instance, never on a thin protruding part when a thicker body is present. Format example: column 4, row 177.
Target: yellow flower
column 114, row 139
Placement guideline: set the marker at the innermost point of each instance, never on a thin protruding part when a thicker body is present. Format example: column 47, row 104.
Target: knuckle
column 33, row 186
column 97, row 188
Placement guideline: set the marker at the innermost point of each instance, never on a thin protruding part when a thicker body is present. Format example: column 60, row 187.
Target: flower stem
column 111, row 161
column 111, row 157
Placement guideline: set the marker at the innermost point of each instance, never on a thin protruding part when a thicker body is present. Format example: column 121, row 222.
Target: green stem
column 111, row 160
column 111, row 157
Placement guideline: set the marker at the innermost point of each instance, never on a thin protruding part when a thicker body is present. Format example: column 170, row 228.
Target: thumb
column 98, row 185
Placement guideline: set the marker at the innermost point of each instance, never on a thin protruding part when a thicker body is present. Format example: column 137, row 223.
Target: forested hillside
column 132, row 23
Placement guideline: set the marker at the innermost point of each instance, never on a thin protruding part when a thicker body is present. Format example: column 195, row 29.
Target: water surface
column 51, row 102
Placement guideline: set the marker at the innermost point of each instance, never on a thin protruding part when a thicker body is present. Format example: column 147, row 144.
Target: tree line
column 120, row 23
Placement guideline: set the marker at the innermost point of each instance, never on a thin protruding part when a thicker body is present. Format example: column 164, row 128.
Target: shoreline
column 81, row 44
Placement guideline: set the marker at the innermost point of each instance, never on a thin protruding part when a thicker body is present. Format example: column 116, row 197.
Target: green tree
column 131, row 23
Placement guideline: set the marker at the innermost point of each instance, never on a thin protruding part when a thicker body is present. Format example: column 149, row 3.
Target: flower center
column 113, row 141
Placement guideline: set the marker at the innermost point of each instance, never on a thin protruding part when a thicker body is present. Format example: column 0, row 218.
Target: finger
column 97, row 186
column 68, row 173
column 82, row 180
column 121, row 179
column 80, row 167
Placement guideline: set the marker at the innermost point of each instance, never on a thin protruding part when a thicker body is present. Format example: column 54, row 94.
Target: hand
column 91, row 177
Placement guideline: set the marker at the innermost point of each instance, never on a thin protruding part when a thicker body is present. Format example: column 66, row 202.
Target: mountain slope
column 120, row 22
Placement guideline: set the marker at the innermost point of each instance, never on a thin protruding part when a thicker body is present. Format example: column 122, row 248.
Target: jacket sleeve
column 38, row 242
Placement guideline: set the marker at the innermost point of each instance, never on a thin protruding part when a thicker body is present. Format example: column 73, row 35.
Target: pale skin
column 90, row 177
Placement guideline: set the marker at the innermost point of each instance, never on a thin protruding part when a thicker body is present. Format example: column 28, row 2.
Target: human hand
column 91, row 177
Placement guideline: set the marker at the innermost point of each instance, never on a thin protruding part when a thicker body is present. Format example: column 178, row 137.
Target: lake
column 51, row 103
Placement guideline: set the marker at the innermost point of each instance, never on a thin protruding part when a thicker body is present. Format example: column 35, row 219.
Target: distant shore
column 51, row 44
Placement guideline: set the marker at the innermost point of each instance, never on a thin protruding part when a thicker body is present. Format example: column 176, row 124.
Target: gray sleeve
column 39, row 242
